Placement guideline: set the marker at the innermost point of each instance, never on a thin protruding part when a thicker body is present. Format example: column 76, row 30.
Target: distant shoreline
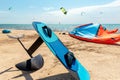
column 55, row 27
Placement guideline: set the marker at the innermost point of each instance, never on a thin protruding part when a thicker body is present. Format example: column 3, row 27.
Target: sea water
column 55, row 27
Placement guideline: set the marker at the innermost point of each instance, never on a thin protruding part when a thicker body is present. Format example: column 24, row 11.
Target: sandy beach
column 102, row 61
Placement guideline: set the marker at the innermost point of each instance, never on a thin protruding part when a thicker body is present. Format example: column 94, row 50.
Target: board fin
column 34, row 63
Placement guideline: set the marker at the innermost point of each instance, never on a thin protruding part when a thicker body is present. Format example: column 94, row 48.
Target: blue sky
column 48, row 11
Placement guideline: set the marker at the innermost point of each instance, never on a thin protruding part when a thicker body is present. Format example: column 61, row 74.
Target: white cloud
column 97, row 7
column 98, row 13
column 87, row 8
column 4, row 12
column 48, row 8
column 113, row 4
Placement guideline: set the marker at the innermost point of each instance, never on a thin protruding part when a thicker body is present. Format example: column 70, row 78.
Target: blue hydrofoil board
column 61, row 52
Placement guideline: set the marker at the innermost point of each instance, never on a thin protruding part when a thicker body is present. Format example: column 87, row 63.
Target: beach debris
column 64, row 33
column 63, row 10
column 6, row 31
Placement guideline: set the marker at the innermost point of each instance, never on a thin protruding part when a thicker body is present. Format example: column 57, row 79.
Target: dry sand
column 102, row 61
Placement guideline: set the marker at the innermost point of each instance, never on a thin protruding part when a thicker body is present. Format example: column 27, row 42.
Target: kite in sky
column 10, row 8
column 63, row 10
